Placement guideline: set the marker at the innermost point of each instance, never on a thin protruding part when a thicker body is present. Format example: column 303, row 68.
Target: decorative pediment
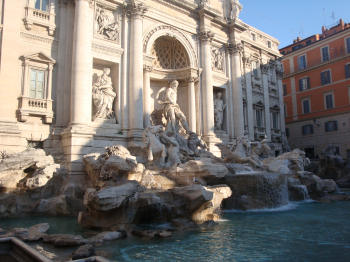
column 39, row 57
column 259, row 104
column 275, row 108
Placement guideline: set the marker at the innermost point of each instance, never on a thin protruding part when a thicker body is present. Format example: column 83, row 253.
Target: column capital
column 136, row 9
column 192, row 79
column 148, row 68
column 264, row 68
column 247, row 61
column 206, row 36
column 235, row 48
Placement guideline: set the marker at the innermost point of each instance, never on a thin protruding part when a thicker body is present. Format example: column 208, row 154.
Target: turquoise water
column 304, row 232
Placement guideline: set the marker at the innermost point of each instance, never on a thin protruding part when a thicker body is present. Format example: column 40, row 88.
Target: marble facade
column 80, row 75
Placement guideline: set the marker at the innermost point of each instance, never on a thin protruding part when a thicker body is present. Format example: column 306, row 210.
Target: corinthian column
column 207, row 86
column 147, row 94
column 265, row 71
column 192, row 104
column 136, row 11
column 82, row 63
column 236, row 75
column 249, row 89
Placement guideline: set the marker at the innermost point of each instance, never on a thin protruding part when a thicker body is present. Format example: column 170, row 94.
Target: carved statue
column 155, row 149
column 106, row 27
column 218, row 59
column 195, row 144
column 175, row 118
column 219, row 108
column 285, row 144
column 103, row 96
column 236, row 8
column 160, row 146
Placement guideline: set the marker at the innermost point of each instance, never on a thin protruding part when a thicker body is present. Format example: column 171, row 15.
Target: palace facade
column 79, row 75
column 316, row 87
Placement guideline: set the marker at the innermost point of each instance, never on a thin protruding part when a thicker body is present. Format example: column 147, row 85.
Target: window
column 304, row 83
column 302, row 62
column 259, row 118
column 37, row 84
column 42, row 5
column 325, row 54
column 284, row 90
column 36, row 98
column 326, row 77
column 331, row 126
column 306, row 106
column 287, row 132
column 41, row 13
column 348, row 44
column 308, row 129
column 253, row 36
column 269, row 45
column 275, row 120
column 347, row 71
column 329, row 101
column 285, row 110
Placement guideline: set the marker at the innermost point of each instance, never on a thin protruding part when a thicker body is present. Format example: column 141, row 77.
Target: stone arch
column 167, row 30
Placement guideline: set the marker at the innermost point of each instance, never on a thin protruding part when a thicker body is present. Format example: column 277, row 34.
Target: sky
column 286, row 20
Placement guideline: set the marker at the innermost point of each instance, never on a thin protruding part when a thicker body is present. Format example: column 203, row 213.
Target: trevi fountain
column 150, row 140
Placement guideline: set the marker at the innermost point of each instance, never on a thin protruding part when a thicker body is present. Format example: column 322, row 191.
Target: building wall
column 62, row 119
column 339, row 57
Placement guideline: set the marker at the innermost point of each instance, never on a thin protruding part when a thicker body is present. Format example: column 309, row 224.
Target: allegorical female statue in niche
column 219, row 108
column 103, row 96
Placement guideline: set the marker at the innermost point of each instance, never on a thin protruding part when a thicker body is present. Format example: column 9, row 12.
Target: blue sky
column 286, row 19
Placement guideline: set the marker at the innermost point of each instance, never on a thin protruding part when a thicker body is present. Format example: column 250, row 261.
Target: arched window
column 42, row 5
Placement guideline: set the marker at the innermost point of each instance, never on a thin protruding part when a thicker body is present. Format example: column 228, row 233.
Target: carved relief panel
column 107, row 24
column 218, row 59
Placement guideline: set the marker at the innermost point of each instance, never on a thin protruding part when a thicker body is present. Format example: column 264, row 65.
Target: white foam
column 289, row 206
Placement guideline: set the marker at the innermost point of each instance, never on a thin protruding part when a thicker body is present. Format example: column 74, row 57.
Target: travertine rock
column 110, row 198
column 84, row 251
column 64, row 240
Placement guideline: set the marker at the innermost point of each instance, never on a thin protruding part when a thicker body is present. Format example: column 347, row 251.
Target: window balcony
column 35, row 107
column 39, row 17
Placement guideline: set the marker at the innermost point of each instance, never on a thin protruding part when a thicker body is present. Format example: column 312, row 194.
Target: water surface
column 310, row 232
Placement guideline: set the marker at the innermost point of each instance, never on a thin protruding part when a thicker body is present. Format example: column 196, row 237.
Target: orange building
column 316, row 86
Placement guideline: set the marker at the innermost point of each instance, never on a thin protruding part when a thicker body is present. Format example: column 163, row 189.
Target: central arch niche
column 169, row 53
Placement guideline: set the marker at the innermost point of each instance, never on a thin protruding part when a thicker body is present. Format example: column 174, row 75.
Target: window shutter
column 347, row 71
column 322, row 78
column 301, row 87
column 308, row 83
